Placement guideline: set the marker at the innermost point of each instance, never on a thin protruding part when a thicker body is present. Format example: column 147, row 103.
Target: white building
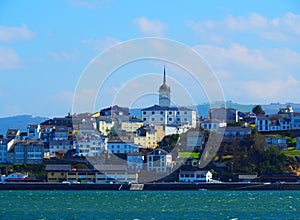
column 115, row 173
column 213, row 124
column 33, row 131
column 91, row 145
column 58, row 145
column 263, row 123
column 162, row 115
column 195, row 176
column 135, row 161
column 159, row 161
column 120, row 147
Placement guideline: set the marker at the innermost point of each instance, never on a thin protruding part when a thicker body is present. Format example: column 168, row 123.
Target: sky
column 252, row 47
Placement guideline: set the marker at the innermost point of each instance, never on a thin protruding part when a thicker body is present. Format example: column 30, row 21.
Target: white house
column 159, row 161
column 135, row 161
column 195, row 176
column 213, row 124
column 115, row 173
column 263, row 123
column 120, row 147
column 91, row 145
column 58, row 145
column 33, row 131
column 164, row 115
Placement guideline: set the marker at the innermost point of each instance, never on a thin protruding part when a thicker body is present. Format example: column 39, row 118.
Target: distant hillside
column 202, row 110
column 19, row 122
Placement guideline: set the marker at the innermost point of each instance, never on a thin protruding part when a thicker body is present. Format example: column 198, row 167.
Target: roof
column 135, row 154
column 110, row 168
column 55, row 142
column 194, row 172
column 237, row 129
column 5, row 141
column 166, row 108
column 58, row 167
column 262, row 117
column 158, row 152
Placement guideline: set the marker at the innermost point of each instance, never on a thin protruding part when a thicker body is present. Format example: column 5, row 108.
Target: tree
column 258, row 110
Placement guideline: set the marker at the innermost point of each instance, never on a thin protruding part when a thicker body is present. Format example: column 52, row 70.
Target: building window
column 170, row 113
column 153, row 113
column 161, row 119
column 170, row 119
column 185, row 113
column 144, row 113
column 161, row 112
column 144, row 119
column 152, row 119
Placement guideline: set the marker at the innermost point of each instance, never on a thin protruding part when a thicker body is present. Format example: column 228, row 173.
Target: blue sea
column 150, row 205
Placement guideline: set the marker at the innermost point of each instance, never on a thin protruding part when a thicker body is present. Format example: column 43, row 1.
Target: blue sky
column 253, row 47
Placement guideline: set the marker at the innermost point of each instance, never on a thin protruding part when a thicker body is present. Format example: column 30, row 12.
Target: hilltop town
column 164, row 144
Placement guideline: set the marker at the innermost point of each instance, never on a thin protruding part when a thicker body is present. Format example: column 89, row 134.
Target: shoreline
column 151, row 186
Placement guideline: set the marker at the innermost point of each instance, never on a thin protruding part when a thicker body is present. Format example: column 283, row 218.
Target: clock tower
column 164, row 93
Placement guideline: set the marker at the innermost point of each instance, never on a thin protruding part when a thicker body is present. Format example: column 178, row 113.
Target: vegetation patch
column 194, row 155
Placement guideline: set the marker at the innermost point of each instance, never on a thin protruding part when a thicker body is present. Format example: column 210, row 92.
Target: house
column 13, row 133
column 57, row 172
column 115, row 111
column 135, row 161
column 115, row 173
column 247, row 178
column 223, row 114
column 159, row 161
column 195, row 176
column 146, row 136
column 59, row 145
column 91, row 145
column 297, row 143
column 33, row 131
column 235, row 133
column 105, row 124
column 60, row 132
column 164, row 115
column 120, row 147
column 26, row 152
column 194, row 139
column 132, row 124
column 213, row 124
column 279, row 142
column 5, row 145
column 263, row 123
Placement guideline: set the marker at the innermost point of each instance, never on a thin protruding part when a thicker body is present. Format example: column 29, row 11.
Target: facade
column 195, row 176
column 57, row 172
column 236, row 131
column 161, row 115
column 213, row 125
column 131, row 125
column 115, row 173
column 59, row 145
column 33, row 131
column 26, row 152
column 105, row 124
column 13, row 133
column 60, row 132
column 224, row 114
column 194, row 139
column 263, row 123
column 5, row 145
column 146, row 137
column 120, row 147
column 135, row 161
column 159, row 161
column 91, row 145
column 279, row 142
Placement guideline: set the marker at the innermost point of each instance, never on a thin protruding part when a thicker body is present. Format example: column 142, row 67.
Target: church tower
column 164, row 93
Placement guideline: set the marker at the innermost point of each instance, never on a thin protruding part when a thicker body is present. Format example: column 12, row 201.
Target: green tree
column 258, row 110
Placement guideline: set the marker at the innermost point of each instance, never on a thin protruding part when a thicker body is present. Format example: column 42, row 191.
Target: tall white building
column 164, row 114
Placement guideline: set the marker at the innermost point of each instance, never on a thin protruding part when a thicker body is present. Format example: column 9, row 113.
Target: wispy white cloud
column 9, row 59
column 10, row 34
column 257, row 75
column 101, row 44
column 150, row 27
column 282, row 28
column 64, row 55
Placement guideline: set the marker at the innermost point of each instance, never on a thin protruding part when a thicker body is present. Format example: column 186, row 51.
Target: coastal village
column 164, row 144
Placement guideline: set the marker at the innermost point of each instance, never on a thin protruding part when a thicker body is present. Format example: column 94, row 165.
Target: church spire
column 164, row 81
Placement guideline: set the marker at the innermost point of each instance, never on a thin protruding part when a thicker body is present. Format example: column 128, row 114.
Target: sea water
column 150, row 204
